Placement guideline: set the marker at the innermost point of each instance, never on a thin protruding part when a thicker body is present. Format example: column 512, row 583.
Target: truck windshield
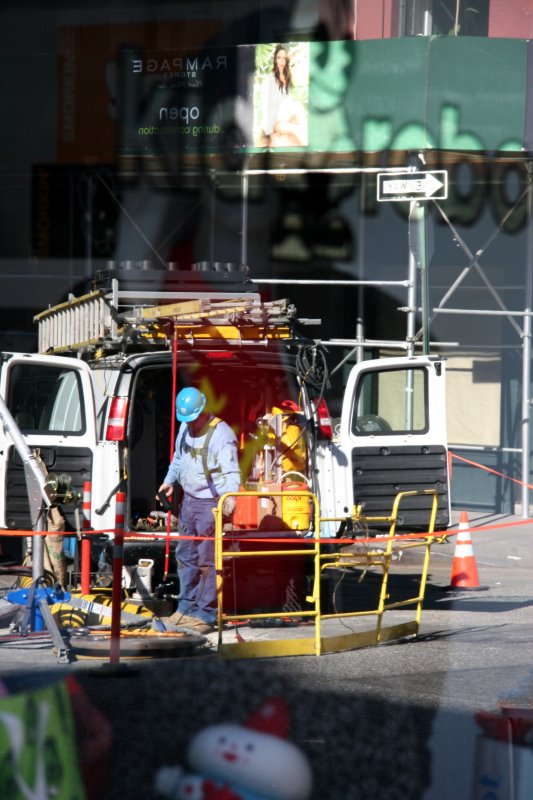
column 391, row 401
column 46, row 399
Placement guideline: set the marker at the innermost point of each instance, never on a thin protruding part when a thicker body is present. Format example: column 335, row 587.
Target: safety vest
column 202, row 452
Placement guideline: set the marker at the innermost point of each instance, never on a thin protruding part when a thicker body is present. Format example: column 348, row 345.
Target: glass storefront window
column 445, row 18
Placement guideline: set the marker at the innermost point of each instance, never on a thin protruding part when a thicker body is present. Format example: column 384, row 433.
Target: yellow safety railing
column 312, row 544
column 382, row 556
column 379, row 554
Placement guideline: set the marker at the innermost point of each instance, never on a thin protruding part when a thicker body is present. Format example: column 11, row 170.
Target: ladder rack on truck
column 102, row 320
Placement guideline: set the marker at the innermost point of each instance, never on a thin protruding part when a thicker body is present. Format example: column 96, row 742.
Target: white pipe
column 329, row 283
column 35, row 487
column 325, row 170
column 526, row 359
column 486, row 312
column 244, row 220
column 411, row 295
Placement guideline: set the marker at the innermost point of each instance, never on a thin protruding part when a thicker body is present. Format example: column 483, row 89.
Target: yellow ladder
column 87, row 321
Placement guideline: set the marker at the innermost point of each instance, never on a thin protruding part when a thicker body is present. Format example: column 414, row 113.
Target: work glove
column 228, row 506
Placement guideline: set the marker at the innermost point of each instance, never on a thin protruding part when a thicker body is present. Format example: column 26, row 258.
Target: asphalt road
column 393, row 721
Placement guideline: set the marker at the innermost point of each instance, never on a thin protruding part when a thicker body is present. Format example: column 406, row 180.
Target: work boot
column 176, row 618
column 186, row 621
column 199, row 626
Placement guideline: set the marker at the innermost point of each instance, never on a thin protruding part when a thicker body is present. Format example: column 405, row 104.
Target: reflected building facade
column 133, row 145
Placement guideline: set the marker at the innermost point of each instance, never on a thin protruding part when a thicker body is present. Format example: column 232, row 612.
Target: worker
column 205, row 464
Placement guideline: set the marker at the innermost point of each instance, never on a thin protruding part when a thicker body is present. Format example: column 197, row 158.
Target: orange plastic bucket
column 295, row 507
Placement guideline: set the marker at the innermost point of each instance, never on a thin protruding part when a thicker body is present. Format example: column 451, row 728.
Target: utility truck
column 96, row 402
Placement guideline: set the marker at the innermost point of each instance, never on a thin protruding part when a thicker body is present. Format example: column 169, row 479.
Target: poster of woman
column 281, row 91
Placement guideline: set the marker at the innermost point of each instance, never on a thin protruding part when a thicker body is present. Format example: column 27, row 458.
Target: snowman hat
column 271, row 718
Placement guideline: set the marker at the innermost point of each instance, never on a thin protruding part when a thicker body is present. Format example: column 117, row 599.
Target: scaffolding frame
column 413, row 336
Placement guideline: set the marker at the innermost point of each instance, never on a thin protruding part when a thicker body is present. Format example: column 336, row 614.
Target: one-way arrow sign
column 402, row 186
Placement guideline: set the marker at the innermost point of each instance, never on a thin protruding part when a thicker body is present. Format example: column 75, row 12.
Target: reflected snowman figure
column 254, row 761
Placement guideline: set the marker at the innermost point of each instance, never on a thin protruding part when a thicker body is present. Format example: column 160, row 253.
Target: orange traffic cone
column 464, row 568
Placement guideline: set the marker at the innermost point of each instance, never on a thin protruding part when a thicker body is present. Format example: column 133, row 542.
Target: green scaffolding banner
column 459, row 94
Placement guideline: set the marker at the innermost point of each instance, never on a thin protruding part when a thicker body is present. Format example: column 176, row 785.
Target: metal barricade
column 380, row 554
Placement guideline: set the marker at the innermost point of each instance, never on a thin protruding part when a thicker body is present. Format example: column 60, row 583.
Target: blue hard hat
column 189, row 404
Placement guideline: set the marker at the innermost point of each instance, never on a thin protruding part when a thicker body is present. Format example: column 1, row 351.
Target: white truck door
column 51, row 399
column 393, row 438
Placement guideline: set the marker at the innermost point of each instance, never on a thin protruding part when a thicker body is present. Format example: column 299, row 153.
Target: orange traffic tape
column 488, row 469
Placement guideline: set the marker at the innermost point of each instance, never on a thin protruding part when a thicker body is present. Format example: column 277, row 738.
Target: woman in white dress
column 283, row 119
